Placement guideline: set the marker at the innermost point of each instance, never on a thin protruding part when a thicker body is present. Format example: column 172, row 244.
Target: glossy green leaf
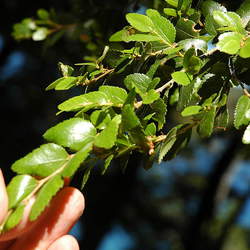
column 168, row 143
column 63, row 83
column 42, row 161
column 159, row 107
column 106, row 139
column 182, row 78
column 140, row 82
column 121, row 35
column 100, row 118
column 139, row 22
column 129, row 118
column 206, row 125
column 142, row 38
column 185, row 29
column 150, row 130
column 43, row 14
column 86, row 177
column 86, row 102
column 244, row 12
column 45, row 195
column 246, row 135
column 229, row 19
column 242, row 107
column 245, row 48
column 170, row 12
column 66, row 70
column 191, row 110
column 162, row 26
column 14, row 218
column 76, row 160
column 229, row 42
column 209, row 6
column 107, row 163
column 115, row 95
column 222, row 119
column 73, row 133
column 19, row 188
column 150, row 96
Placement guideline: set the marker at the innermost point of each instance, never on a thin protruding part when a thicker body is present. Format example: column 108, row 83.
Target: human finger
column 3, row 198
column 66, row 242
column 65, row 209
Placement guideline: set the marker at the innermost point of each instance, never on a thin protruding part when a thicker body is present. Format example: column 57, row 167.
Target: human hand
column 49, row 231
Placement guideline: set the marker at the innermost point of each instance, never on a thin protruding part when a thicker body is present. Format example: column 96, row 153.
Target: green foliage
column 125, row 93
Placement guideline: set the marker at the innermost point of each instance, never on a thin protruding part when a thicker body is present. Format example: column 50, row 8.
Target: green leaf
column 121, row 35
column 191, row 110
column 43, row 14
column 159, row 107
column 100, row 118
column 150, row 96
column 40, row 34
column 66, row 70
column 245, row 48
column 115, row 95
column 192, row 63
column 73, row 133
column 162, row 26
column 86, row 176
column 205, row 128
column 242, row 107
column 14, row 218
column 140, row 82
column 229, row 19
column 168, row 143
column 182, row 78
column 63, row 83
column 19, row 188
column 142, row 38
column 208, row 7
column 129, row 118
column 45, row 195
column 185, row 96
column 244, row 12
column 186, row 29
column 107, row 163
column 139, row 22
column 42, row 161
column 86, row 102
column 222, row 119
column 170, row 12
column 106, row 139
column 76, row 160
column 246, row 135
column 229, row 42
column 150, row 129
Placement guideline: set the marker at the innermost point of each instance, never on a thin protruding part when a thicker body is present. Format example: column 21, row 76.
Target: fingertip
column 3, row 198
column 66, row 242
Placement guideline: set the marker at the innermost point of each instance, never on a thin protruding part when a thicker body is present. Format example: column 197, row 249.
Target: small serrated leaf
column 242, row 107
column 106, row 139
column 107, row 163
column 168, row 143
column 162, row 26
column 182, row 78
column 206, row 125
column 42, row 161
column 139, row 22
column 76, row 160
column 14, row 218
column 20, row 187
column 191, row 110
column 115, row 95
column 45, row 195
column 73, row 133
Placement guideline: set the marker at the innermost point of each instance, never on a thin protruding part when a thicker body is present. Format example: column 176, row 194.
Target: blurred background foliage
column 199, row 200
